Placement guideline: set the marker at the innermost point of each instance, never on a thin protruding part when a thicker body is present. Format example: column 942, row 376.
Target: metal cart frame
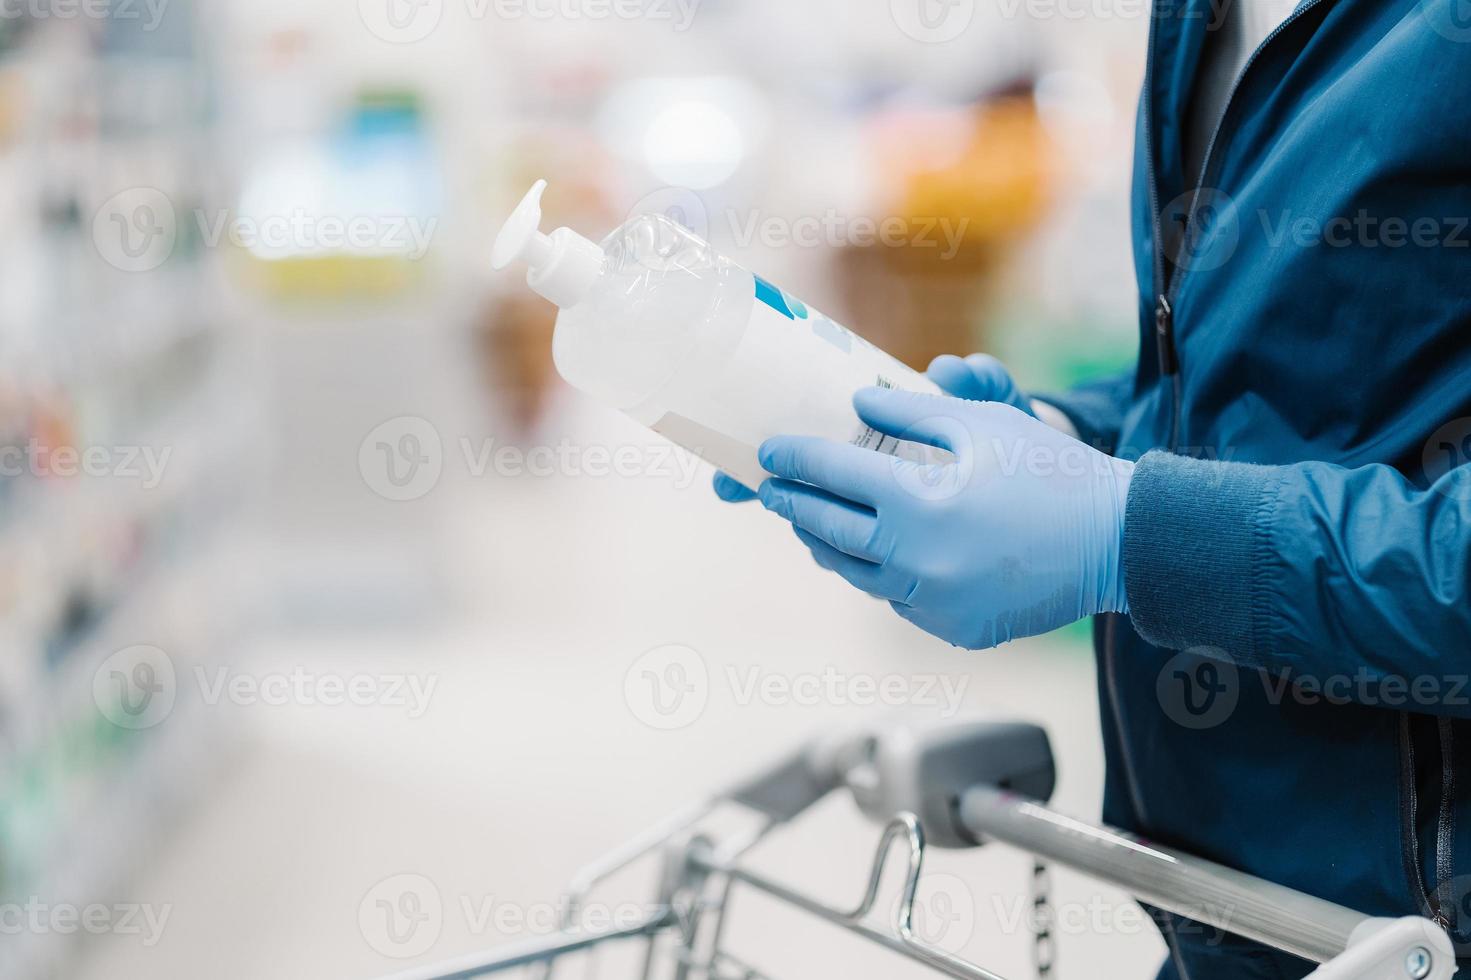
column 955, row 784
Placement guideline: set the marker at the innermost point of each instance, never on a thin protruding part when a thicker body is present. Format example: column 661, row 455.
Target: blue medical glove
column 730, row 490
column 979, row 377
column 1021, row 533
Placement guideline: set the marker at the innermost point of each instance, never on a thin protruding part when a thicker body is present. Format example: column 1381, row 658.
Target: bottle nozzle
column 563, row 265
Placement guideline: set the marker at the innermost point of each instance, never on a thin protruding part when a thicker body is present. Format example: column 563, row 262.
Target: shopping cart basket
column 953, row 784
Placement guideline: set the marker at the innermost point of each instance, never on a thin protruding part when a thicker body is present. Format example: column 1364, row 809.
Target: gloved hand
column 1020, row 534
column 978, row 377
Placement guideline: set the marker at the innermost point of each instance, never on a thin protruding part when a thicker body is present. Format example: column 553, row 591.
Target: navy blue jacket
column 1290, row 693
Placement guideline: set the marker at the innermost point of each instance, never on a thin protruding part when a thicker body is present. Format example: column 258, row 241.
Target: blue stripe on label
column 772, row 297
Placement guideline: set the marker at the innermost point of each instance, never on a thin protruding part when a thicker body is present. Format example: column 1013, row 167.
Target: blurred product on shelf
column 350, row 217
column 967, row 186
column 513, row 340
column 125, row 429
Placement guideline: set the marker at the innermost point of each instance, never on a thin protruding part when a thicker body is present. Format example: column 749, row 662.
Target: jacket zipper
column 1167, row 284
column 1429, row 897
column 1169, row 363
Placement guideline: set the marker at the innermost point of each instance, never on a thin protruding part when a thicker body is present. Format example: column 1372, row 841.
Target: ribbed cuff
column 1196, row 535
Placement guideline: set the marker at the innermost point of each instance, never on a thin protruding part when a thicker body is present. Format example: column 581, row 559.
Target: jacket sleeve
column 1351, row 583
column 1096, row 409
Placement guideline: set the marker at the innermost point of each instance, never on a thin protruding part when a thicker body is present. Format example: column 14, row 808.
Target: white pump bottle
column 656, row 323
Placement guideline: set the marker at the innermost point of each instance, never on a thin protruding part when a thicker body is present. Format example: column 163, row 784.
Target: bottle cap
column 563, row 265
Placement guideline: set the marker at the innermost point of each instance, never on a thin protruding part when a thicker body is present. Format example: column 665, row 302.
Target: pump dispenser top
column 563, row 265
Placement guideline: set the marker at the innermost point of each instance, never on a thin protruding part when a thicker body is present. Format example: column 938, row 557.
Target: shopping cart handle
column 784, row 790
column 904, row 765
column 923, row 767
column 1412, row 948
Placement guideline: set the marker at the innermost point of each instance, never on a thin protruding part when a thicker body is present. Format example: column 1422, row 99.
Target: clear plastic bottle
column 658, row 324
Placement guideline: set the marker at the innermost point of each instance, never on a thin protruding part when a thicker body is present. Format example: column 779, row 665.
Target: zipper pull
column 1164, row 336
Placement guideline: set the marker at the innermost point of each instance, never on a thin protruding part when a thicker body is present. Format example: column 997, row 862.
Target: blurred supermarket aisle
column 314, row 573
column 532, row 757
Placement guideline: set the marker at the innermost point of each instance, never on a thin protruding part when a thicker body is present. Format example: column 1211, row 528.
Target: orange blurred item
column 969, row 184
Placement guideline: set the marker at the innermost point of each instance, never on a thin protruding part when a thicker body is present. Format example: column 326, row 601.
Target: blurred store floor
column 534, row 753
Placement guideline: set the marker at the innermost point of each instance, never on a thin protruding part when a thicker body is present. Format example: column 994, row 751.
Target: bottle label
column 844, row 340
column 794, row 372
